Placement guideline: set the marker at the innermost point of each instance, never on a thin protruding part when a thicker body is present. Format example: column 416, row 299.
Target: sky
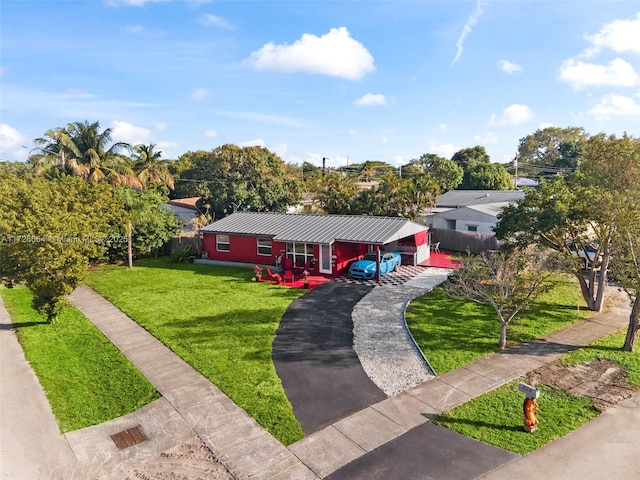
column 349, row 81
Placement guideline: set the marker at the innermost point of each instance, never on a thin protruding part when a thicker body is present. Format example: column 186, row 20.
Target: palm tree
column 149, row 167
column 81, row 149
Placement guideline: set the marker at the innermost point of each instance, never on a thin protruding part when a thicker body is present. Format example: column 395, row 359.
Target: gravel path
column 380, row 336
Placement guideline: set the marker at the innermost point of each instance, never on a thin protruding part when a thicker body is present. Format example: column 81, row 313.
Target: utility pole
column 324, row 166
column 515, row 178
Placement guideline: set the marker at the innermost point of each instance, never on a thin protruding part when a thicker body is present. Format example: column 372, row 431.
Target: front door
column 325, row 258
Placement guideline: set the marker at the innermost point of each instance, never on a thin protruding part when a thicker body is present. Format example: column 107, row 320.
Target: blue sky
column 350, row 81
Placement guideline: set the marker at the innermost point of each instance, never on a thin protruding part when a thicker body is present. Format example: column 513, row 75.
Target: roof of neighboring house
column 465, row 198
column 185, row 202
column 286, row 227
column 464, row 213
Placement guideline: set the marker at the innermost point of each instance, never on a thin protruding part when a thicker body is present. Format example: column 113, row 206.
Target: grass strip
column 496, row 417
column 452, row 332
column 219, row 321
column 85, row 377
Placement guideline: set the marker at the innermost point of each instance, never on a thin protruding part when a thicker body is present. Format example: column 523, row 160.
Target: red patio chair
column 288, row 276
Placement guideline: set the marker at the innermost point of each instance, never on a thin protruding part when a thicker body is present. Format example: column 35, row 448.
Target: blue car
column 366, row 268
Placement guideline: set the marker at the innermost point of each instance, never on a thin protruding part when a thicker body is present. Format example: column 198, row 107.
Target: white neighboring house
column 471, row 210
column 185, row 210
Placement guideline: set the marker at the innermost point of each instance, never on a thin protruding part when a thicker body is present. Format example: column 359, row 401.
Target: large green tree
column 445, row 173
column 559, row 216
column 49, row 232
column 231, row 178
column 551, row 150
column 611, row 169
column 466, row 157
column 486, row 176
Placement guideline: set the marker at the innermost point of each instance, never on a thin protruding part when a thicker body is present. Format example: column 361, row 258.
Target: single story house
column 470, row 210
column 185, row 210
column 331, row 242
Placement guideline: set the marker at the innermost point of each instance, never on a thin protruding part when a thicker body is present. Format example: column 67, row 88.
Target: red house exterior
column 326, row 244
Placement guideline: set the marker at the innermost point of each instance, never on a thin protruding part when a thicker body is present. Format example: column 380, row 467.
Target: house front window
column 222, row 243
column 264, row 246
column 300, row 253
column 472, row 228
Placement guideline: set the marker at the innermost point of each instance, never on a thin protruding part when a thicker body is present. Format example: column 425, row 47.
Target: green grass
column 217, row 320
column 86, row 379
column 609, row 348
column 453, row 332
column 496, row 417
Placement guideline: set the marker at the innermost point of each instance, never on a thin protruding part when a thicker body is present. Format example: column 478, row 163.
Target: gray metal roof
column 466, row 198
column 285, row 227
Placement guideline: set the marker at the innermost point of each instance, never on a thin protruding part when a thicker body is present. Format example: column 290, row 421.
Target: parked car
column 366, row 268
column 587, row 253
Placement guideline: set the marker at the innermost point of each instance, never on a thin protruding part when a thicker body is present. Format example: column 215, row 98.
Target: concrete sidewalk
column 31, row 445
column 236, row 439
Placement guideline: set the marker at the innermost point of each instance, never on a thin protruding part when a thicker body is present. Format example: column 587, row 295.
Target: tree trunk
column 634, row 325
column 129, row 244
column 503, row 335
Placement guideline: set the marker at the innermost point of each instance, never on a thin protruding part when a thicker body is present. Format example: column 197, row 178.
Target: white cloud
column 209, row 20
column 352, row 132
column 131, row 3
column 509, row 67
column 256, row 142
column 487, row 139
column 617, row 73
column 199, row 94
column 210, row 133
column 160, row 126
column 466, row 30
column 11, row 143
column 618, row 35
column 614, row 105
column 445, row 150
column 443, row 127
column 10, row 137
column 544, row 125
column 163, row 145
column 371, row 99
column 336, row 53
column 129, row 133
column 515, row 114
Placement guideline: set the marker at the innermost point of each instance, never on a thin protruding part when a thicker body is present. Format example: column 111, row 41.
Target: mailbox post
column 530, row 406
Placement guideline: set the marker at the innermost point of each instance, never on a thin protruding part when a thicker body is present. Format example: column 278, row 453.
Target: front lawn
column 496, row 417
column 453, row 332
column 86, row 378
column 219, row 321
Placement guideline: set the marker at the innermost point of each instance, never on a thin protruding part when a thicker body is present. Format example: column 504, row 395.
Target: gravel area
column 381, row 340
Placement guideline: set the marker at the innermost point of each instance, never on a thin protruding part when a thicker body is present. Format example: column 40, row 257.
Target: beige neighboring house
column 185, row 210
column 470, row 210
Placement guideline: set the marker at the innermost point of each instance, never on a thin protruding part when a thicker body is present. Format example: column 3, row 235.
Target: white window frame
column 297, row 250
column 266, row 244
column 220, row 243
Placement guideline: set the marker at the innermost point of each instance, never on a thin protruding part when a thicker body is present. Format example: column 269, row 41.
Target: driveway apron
column 314, row 357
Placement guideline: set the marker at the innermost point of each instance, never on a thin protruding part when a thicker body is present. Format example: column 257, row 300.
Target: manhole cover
column 128, row 438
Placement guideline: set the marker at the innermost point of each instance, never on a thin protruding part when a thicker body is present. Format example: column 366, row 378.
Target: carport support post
column 378, row 263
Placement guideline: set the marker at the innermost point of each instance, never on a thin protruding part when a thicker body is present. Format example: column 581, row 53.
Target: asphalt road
column 314, row 357
column 427, row 452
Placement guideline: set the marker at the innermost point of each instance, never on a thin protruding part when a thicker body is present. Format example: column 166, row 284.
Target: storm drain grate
column 128, row 438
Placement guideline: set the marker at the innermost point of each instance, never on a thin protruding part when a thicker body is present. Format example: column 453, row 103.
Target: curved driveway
column 314, row 357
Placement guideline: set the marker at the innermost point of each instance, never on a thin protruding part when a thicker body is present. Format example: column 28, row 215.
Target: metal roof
column 466, row 198
column 286, row 227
